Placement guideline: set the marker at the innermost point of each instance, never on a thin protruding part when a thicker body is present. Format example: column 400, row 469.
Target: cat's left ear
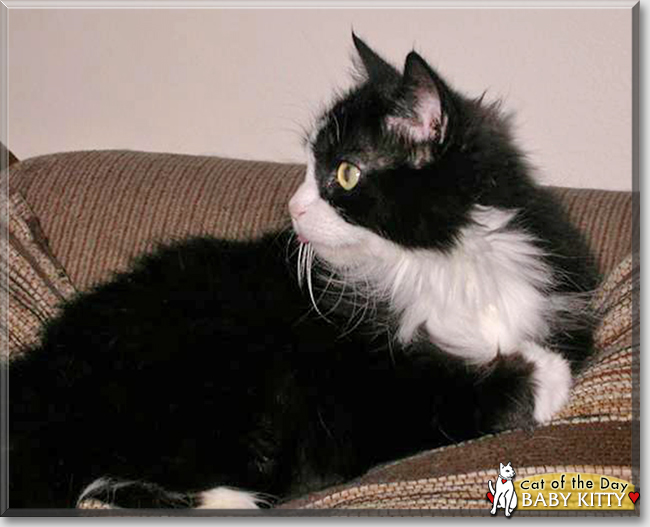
column 424, row 103
column 376, row 68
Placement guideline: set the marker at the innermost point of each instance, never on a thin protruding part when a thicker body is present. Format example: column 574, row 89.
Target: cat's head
column 397, row 163
column 506, row 471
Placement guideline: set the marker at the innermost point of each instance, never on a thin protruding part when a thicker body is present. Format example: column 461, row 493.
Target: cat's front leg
column 138, row 494
column 521, row 389
column 513, row 503
column 551, row 380
column 507, row 496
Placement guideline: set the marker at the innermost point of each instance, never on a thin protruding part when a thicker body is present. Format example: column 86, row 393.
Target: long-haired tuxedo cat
column 429, row 292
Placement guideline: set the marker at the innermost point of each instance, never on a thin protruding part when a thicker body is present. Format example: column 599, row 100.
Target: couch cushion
column 606, row 219
column 455, row 477
column 100, row 208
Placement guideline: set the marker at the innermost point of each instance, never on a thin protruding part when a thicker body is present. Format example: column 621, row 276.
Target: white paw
column 552, row 378
column 225, row 498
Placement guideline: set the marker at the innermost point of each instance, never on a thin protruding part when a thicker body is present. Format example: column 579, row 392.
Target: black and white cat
column 433, row 293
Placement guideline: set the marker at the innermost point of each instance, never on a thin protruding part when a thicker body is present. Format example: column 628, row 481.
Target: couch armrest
column 35, row 282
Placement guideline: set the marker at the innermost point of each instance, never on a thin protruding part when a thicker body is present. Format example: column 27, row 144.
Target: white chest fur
column 482, row 298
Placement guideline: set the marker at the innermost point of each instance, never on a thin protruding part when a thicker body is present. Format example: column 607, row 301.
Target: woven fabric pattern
column 605, row 218
column 604, row 390
column 100, row 208
column 456, row 491
column 36, row 284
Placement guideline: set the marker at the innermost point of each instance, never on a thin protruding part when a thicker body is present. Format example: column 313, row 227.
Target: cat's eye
column 348, row 175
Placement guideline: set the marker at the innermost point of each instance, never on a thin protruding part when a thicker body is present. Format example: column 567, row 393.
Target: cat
column 427, row 292
column 504, row 497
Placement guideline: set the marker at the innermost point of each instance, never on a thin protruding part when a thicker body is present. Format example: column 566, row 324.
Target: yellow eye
column 348, row 175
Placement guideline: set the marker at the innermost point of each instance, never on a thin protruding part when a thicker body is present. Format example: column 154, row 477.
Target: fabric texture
column 75, row 218
column 35, row 283
column 606, row 219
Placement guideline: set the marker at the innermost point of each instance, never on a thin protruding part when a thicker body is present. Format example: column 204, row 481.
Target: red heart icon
column 491, row 497
column 634, row 496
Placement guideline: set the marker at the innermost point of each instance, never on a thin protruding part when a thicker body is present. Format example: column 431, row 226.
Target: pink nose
column 296, row 210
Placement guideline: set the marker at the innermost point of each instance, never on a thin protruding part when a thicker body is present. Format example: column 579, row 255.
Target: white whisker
column 299, row 264
column 342, row 285
column 308, row 272
column 369, row 298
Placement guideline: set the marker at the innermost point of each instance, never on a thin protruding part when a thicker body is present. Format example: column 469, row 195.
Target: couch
column 74, row 218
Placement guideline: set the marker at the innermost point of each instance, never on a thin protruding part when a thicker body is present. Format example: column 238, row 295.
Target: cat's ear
column 376, row 68
column 501, row 466
column 425, row 119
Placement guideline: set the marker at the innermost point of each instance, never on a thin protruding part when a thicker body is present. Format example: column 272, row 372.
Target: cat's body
column 238, row 386
column 437, row 282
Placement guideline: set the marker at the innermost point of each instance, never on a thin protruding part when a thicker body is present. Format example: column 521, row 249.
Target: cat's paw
column 226, row 498
column 552, row 381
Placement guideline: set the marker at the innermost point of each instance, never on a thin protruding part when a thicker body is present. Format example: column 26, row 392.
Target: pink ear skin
column 427, row 122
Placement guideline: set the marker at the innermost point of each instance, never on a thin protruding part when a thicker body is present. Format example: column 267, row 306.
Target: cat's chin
column 338, row 256
column 363, row 251
column 326, row 253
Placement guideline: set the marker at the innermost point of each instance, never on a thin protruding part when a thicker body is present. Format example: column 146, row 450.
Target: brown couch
column 74, row 218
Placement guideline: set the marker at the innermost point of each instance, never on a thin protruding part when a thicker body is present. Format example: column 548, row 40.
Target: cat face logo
column 504, row 497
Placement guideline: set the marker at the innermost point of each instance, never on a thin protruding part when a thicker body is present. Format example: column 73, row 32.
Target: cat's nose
column 302, row 199
column 296, row 212
column 296, row 209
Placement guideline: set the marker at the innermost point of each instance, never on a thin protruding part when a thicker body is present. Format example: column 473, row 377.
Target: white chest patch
column 484, row 297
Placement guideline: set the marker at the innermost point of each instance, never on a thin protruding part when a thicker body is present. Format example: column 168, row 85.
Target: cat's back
column 207, row 273
column 193, row 281
column 182, row 309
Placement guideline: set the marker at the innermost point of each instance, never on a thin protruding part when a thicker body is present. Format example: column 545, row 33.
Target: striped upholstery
column 36, row 283
column 606, row 219
column 92, row 211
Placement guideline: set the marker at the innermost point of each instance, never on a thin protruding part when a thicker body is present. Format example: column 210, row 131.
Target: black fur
column 205, row 365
